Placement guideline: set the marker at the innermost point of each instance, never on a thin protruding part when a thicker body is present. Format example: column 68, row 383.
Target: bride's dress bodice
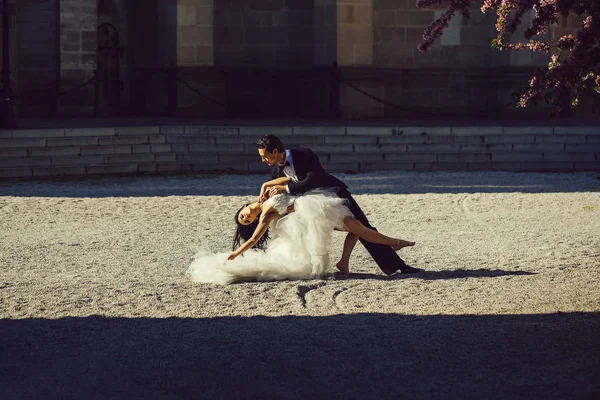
column 298, row 247
column 281, row 202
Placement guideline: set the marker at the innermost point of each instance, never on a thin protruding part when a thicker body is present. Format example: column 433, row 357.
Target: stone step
column 37, row 153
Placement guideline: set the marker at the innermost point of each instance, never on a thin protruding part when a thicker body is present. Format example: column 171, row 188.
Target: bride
column 299, row 238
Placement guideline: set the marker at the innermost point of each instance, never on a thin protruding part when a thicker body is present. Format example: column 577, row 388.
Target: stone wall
column 34, row 60
column 151, row 27
column 355, row 32
column 195, row 44
column 266, row 58
column 183, row 149
column 112, row 83
column 435, row 93
column 398, row 27
column 460, row 74
column 325, row 38
column 269, row 32
column 398, row 30
column 78, row 25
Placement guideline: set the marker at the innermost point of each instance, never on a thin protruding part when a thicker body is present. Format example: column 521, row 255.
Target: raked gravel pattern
column 94, row 301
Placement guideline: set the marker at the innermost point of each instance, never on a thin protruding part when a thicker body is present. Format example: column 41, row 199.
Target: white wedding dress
column 297, row 249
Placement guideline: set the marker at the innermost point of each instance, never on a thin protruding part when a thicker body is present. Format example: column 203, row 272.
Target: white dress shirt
column 289, row 170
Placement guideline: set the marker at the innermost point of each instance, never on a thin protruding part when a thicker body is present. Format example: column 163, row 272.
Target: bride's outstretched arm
column 284, row 180
column 263, row 224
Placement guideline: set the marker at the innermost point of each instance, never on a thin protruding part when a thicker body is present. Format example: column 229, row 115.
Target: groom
column 306, row 172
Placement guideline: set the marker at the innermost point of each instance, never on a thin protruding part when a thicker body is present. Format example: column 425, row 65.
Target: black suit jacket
column 310, row 172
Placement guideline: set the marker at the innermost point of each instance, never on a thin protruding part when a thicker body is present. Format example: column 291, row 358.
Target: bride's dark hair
column 246, row 231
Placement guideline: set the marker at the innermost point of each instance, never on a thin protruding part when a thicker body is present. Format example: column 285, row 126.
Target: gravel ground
column 94, row 302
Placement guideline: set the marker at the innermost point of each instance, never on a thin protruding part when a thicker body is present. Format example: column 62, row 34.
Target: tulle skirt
column 298, row 248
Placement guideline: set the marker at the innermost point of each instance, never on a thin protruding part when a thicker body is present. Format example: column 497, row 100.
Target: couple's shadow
column 433, row 275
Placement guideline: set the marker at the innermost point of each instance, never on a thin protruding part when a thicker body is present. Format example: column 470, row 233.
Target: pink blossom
column 569, row 74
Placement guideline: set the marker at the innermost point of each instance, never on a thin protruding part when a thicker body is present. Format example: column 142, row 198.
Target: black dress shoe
column 409, row 270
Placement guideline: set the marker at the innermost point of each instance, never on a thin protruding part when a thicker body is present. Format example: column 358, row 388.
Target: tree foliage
column 574, row 66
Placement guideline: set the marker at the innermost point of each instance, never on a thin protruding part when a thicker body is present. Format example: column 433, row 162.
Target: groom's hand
column 276, row 190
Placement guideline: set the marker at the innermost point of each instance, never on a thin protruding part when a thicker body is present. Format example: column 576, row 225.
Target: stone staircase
column 131, row 150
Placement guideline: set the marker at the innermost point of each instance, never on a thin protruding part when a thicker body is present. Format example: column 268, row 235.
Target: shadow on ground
column 397, row 182
column 548, row 356
column 434, row 275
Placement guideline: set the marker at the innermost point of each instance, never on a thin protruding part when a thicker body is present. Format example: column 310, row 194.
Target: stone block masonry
column 78, row 24
column 46, row 153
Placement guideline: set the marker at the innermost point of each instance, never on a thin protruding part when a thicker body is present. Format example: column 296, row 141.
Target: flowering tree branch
column 574, row 67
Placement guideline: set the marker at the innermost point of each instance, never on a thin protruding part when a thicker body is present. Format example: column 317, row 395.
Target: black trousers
column 386, row 258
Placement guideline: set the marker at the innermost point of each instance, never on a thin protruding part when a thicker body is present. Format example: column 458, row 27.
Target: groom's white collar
column 288, row 158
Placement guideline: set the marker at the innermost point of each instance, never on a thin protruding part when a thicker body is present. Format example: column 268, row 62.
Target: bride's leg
column 370, row 235
column 344, row 264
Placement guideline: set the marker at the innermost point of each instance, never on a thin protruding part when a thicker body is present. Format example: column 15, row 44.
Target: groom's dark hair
column 270, row 143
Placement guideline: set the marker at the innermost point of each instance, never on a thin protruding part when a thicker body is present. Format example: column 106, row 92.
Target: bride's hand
column 231, row 256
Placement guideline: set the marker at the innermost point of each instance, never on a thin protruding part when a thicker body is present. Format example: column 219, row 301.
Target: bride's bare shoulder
column 268, row 210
